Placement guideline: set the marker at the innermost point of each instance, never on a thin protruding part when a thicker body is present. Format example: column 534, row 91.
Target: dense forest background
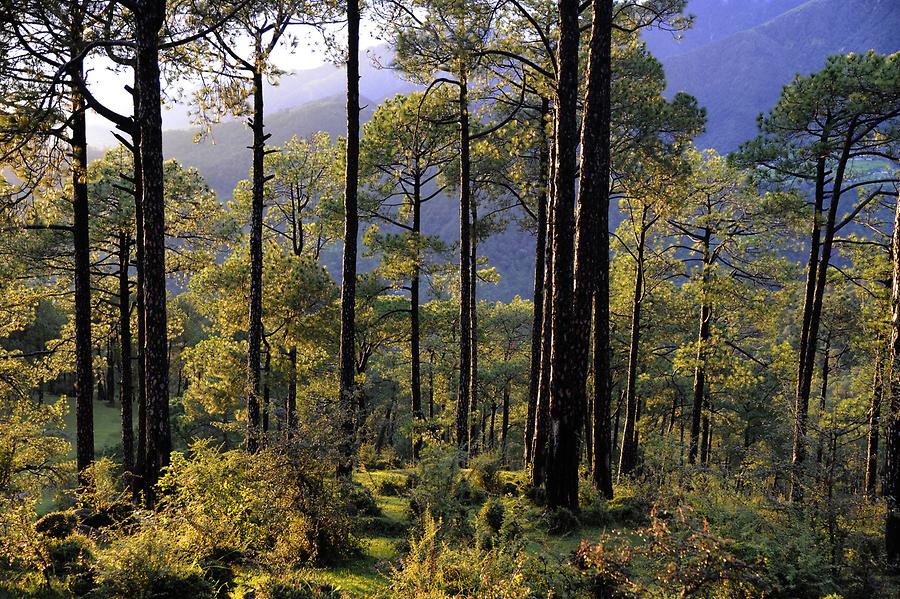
column 510, row 298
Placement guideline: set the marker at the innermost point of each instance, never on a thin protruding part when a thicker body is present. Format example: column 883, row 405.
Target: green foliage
column 149, row 564
column 485, row 472
column 441, row 492
column 281, row 505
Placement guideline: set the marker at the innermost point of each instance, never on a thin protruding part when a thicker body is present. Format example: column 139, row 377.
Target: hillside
column 735, row 60
column 741, row 75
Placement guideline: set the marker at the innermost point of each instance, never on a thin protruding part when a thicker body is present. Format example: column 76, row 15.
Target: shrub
column 436, row 569
column 295, row 585
column 57, row 525
column 441, row 492
column 358, row 500
column 149, row 564
column 485, row 470
column 388, row 487
column 675, row 556
column 282, row 507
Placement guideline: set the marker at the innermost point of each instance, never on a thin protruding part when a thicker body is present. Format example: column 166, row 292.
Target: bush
column 490, row 522
column 435, row 569
column 441, row 492
column 57, row 525
column 149, row 564
column 675, row 556
column 387, row 487
column 359, row 501
column 560, row 521
column 283, row 508
column 485, row 470
column 295, row 585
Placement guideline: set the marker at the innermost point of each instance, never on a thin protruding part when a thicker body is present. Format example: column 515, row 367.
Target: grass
column 107, row 436
column 107, row 426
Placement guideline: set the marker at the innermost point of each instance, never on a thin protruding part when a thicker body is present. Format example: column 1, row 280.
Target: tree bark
column 473, row 324
column 592, row 241
column 890, row 488
column 538, row 293
column 127, row 394
column 415, row 381
column 141, row 448
column 804, row 383
column 148, row 16
column 254, row 326
column 291, row 411
column 566, row 398
column 347, row 404
column 542, row 411
column 628, row 457
column 700, row 369
column 874, row 422
column 84, row 375
column 464, row 390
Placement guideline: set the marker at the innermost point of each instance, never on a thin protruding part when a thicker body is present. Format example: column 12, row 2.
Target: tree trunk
column 628, row 457
column 700, row 368
column 538, row 293
column 414, row 349
column 504, row 424
column 890, row 488
column 804, row 384
column 706, row 432
column 542, row 412
column 473, row 320
column 566, row 398
column 347, row 404
column 140, row 458
column 465, row 286
column 84, row 374
column 111, row 370
column 126, row 398
column 254, row 325
column 149, row 16
column 266, row 405
column 592, row 241
column 874, row 422
column 291, row 415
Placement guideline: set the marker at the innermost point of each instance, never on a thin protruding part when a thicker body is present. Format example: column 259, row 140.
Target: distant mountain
column 736, row 59
column 740, row 75
column 222, row 156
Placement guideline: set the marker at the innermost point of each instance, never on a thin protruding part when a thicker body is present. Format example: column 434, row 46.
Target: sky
column 108, row 84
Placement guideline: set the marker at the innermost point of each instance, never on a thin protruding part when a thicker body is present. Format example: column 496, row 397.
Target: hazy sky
column 109, row 86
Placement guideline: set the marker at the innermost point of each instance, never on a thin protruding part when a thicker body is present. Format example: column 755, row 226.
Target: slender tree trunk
column 706, row 439
column 628, row 457
column 127, row 395
column 266, row 404
column 414, row 338
column 874, row 422
column 566, row 398
column 592, row 241
column 291, row 415
column 84, row 374
column 890, row 488
column 804, row 384
column 347, row 401
column 504, row 424
column 473, row 320
column 254, row 326
column 465, row 286
column 148, row 17
column 700, row 368
column 823, row 396
column 542, row 411
column 111, row 370
column 140, row 458
column 540, row 250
